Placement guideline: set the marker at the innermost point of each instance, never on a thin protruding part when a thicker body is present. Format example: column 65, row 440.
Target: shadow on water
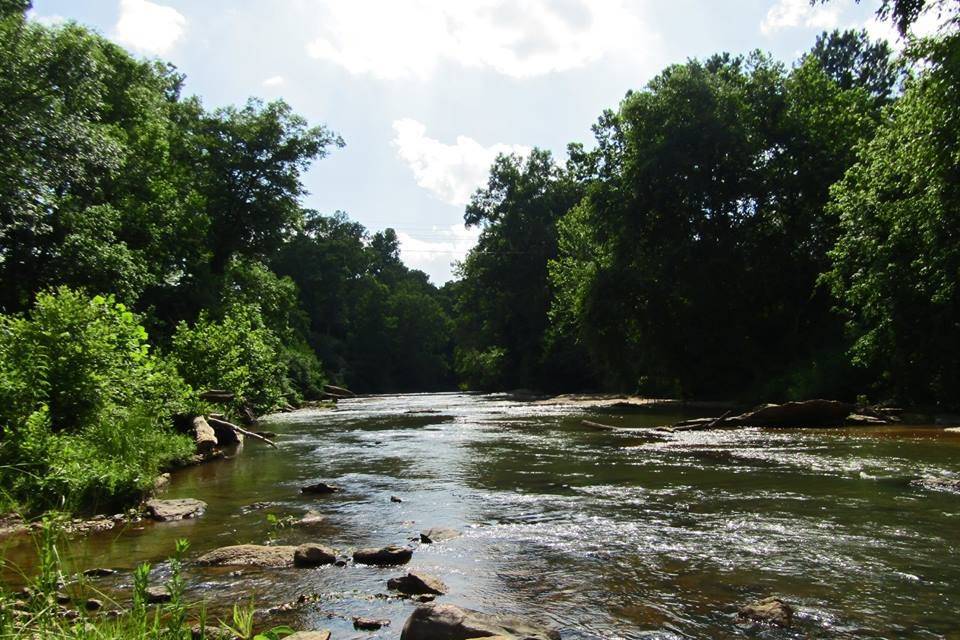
column 623, row 534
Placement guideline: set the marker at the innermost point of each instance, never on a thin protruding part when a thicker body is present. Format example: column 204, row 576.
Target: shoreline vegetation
column 741, row 229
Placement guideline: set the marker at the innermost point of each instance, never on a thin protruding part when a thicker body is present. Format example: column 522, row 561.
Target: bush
column 237, row 354
column 84, row 406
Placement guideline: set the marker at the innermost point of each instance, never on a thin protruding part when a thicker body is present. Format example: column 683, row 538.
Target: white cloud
column 787, row 14
column 452, row 172
column 274, row 81
column 53, row 20
column 435, row 254
column 148, row 27
column 518, row 38
column 926, row 25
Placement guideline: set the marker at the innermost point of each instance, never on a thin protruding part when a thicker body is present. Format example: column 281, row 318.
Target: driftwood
column 245, row 432
column 808, row 413
column 338, row 392
column 598, row 426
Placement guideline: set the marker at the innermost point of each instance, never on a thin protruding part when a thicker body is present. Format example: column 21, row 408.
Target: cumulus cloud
column 787, row 14
column 452, row 172
column 274, row 81
column 148, row 27
column 53, row 20
column 395, row 40
column 926, row 25
column 435, row 253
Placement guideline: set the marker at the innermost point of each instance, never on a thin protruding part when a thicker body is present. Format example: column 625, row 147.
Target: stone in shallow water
column 770, row 610
column 182, row 509
column 385, row 556
column 369, row 624
column 252, row 555
column 313, row 555
column 449, row 622
column 310, row 635
column 320, row 488
column 157, row 594
column 417, row 583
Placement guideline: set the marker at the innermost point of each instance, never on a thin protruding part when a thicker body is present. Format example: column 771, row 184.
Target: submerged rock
column 391, row 555
column 417, row 583
column 252, row 555
column 321, row 488
column 449, row 622
column 938, row 484
column 313, row 555
column 311, row 517
column 182, row 509
column 770, row 610
column 438, row 534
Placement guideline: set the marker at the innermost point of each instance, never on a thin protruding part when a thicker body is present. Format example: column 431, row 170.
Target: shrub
column 238, row 354
column 84, row 405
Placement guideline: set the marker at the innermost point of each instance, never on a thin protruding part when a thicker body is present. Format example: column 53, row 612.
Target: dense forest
column 741, row 228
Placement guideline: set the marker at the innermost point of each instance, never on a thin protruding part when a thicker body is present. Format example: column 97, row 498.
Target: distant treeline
column 741, row 228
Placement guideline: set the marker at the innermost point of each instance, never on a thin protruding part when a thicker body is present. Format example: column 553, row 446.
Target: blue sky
column 426, row 92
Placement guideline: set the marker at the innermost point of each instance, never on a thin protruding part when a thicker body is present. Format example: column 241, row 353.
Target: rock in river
column 770, row 610
column 449, row 622
column 157, row 594
column 253, row 555
column 313, row 555
column 320, row 488
column 182, row 509
column 417, row 583
column 438, row 534
column 310, row 635
column 383, row 557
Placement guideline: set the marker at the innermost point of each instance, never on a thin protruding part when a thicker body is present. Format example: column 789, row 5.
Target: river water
column 634, row 534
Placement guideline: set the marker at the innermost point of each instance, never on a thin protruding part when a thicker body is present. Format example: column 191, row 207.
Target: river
column 625, row 534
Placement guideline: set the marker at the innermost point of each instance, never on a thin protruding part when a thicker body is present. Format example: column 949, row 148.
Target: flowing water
column 627, row 534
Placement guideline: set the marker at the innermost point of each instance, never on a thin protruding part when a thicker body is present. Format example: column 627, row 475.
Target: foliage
column 896, row 265
column 239, row 354
column 84, row 404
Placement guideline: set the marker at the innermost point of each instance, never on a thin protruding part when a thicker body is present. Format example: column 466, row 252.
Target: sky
column 426, row 93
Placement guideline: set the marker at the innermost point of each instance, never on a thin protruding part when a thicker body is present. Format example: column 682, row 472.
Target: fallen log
column 245, row 432
column 700, row 424
column 807, row 413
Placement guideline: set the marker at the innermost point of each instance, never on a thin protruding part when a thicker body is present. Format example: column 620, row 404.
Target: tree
column 852, row 60
column 504, row 291
column 896, row 265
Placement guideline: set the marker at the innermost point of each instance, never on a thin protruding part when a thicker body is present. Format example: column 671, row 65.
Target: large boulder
column 249, row 555
column 181, row 509
column 204, row 437
column 770, row 610
column 416, row 583
column 438, row 534
column 385, row 556
column 313, row 555
column 449, row 622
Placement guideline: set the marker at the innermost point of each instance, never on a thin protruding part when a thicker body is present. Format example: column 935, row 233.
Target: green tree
column 896, row 265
